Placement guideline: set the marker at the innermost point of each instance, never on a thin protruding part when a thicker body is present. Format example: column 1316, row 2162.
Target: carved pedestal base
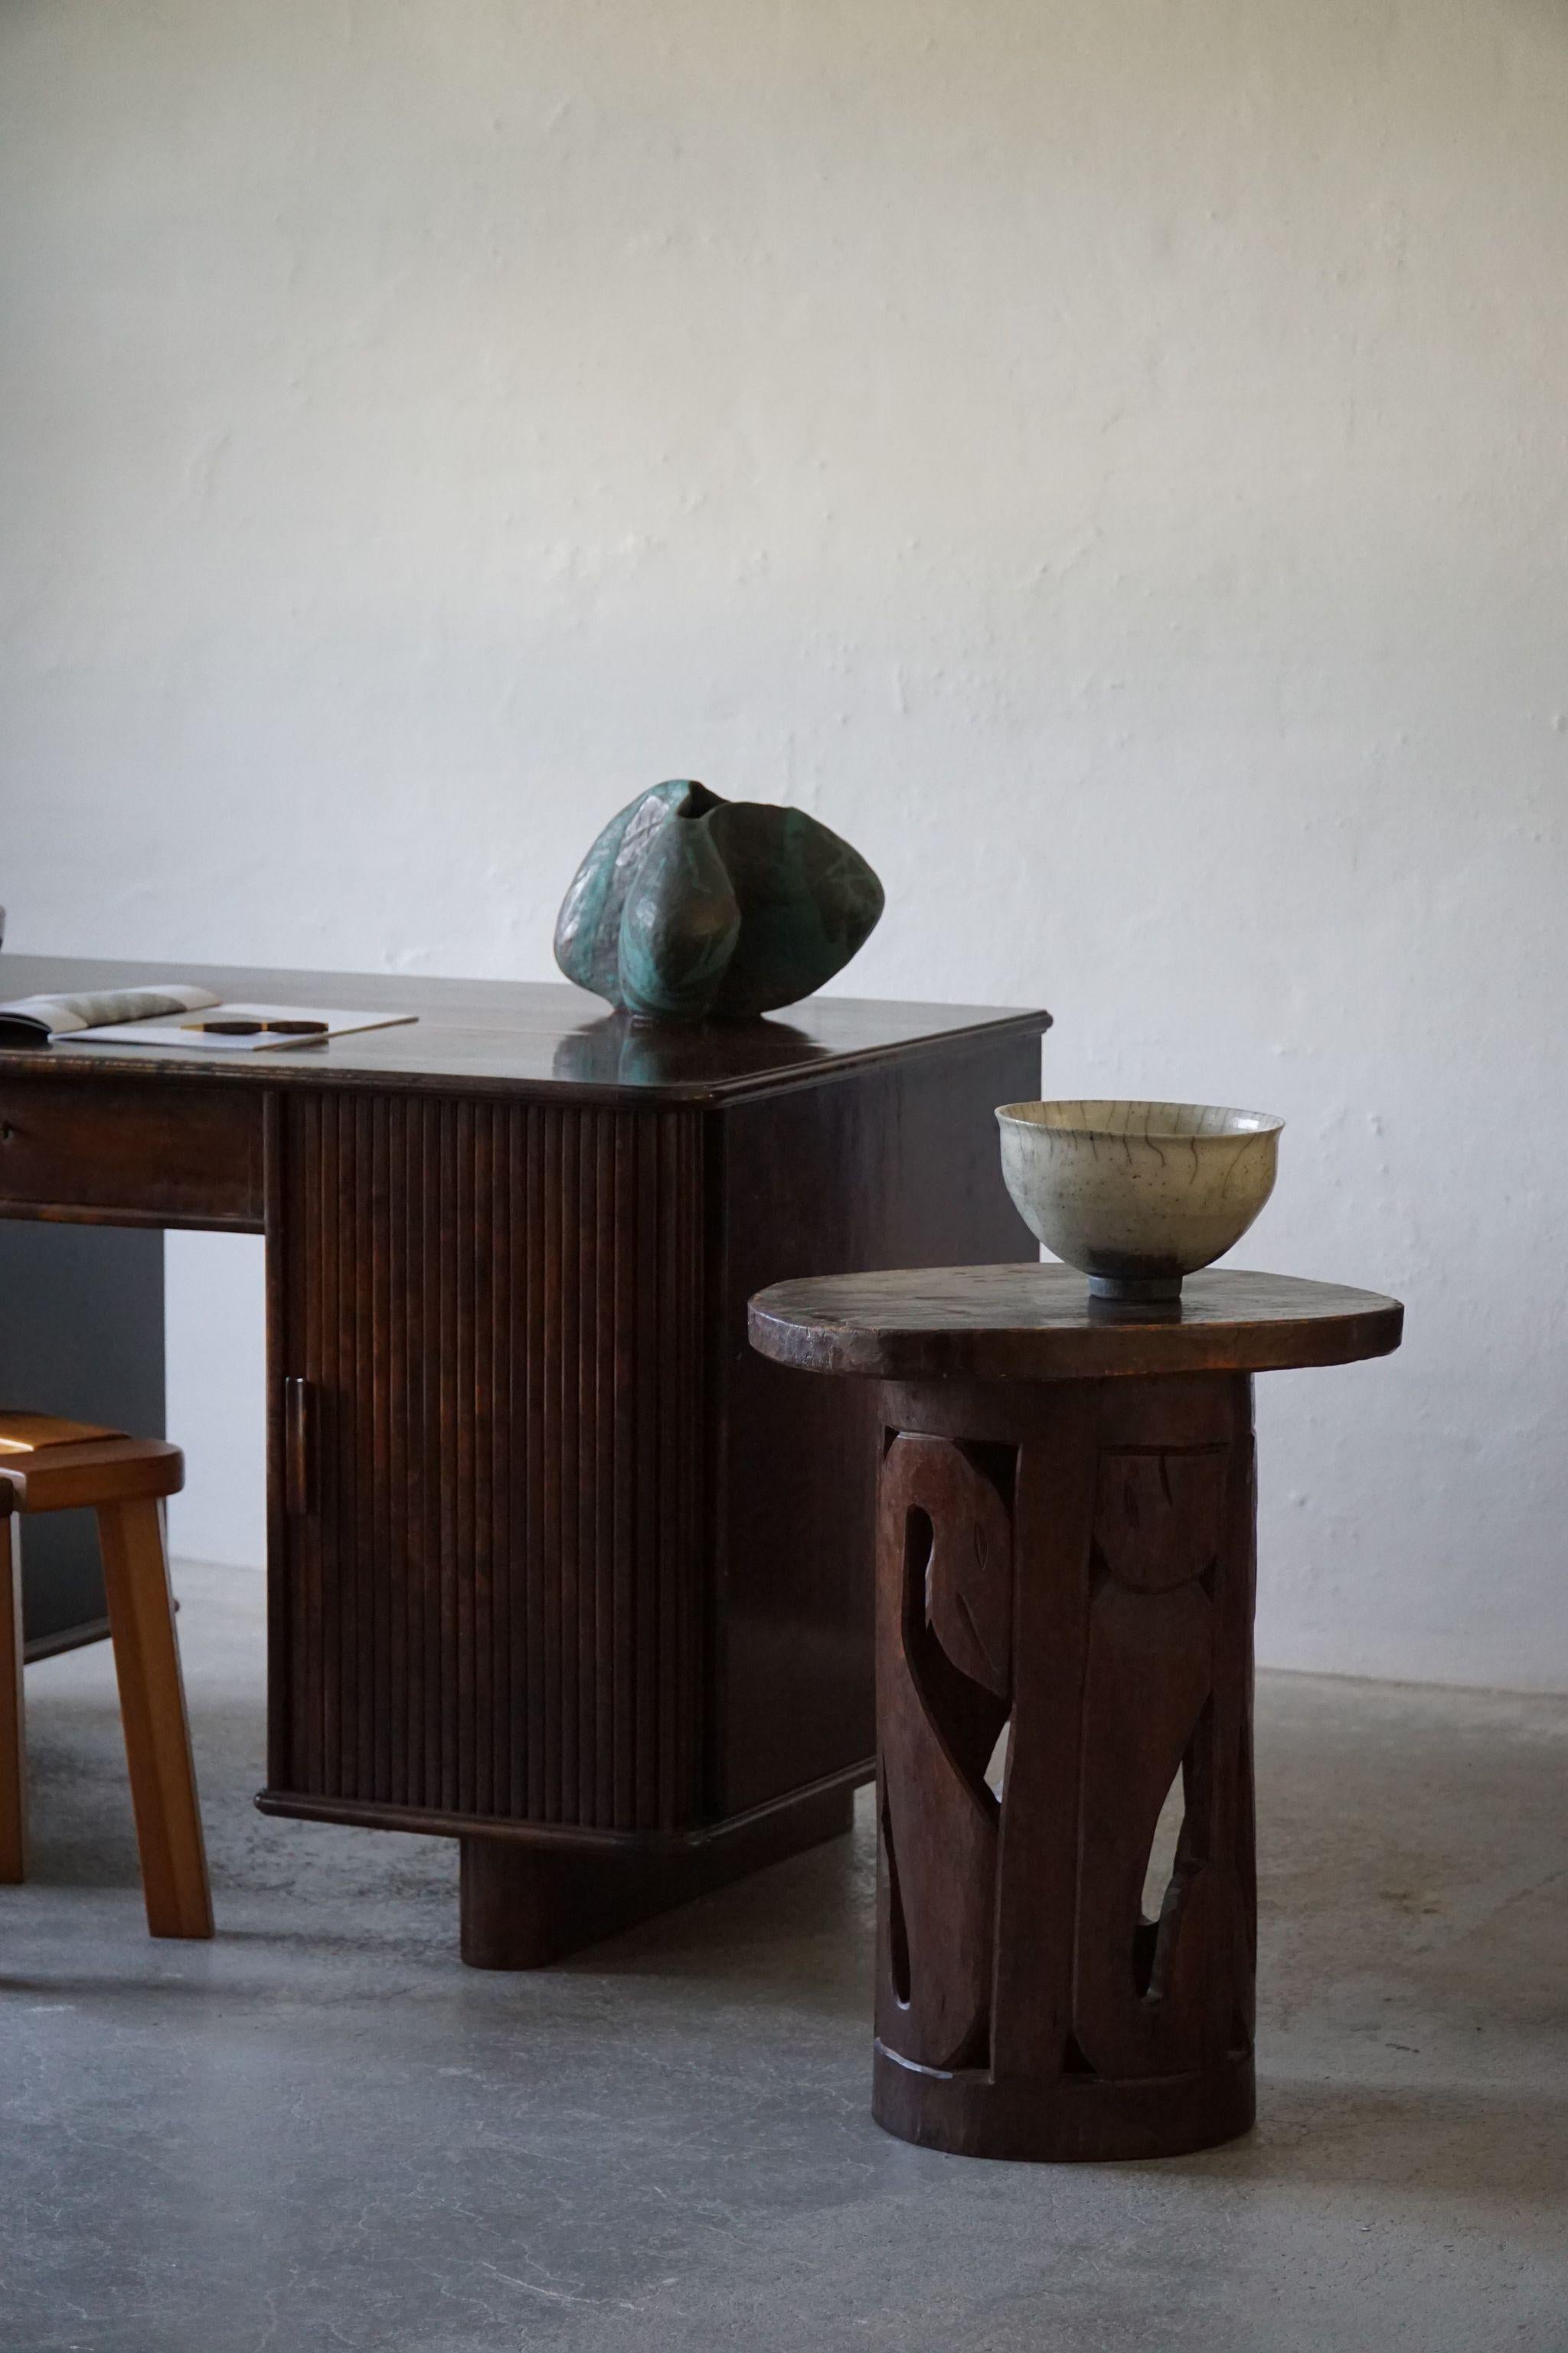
column 1071, row 1562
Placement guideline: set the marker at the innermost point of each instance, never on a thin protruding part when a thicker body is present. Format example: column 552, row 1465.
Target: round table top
column 1034, row 1323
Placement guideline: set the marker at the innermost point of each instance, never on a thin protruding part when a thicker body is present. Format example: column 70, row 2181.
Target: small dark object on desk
column 255, row 1029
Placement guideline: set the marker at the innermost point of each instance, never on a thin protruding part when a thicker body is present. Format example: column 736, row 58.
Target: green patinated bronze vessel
column 690, row 907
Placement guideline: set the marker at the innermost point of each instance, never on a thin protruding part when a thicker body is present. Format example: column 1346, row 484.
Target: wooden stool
column 1066, row 1551
column 49, row 1465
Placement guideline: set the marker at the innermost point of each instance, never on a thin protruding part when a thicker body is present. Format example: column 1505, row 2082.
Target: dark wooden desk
column 557, row 1565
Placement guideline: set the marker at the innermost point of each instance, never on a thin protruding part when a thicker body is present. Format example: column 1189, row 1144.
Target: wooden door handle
column 298, row 1451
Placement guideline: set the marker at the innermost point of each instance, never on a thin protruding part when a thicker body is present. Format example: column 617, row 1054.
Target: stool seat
column 55, row 1465
column 51, row 1465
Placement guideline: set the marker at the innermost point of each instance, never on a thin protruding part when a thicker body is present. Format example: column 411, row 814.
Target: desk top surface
column 498, row 1034
column 1038, row 1322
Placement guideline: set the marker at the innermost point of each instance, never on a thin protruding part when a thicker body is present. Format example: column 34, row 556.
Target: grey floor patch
column 321, row 2132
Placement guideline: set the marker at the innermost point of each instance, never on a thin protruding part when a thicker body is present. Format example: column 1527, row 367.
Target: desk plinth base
column 1071, row 1563
column 525, row 1906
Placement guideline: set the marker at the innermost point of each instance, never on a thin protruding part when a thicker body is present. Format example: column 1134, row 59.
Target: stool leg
column 13, row 1740
column 153, row 1709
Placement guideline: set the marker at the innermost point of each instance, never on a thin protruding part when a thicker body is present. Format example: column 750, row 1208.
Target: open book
column 34, row 1020
column 176, row 1013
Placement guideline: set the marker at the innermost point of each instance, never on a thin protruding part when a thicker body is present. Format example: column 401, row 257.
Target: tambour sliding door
column 486, row 1357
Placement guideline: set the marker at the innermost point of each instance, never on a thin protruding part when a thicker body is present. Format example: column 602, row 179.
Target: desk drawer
column 131, row 1151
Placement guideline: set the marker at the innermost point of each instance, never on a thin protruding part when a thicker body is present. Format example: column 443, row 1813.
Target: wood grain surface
column 489, row 1036
column 1033, row 1322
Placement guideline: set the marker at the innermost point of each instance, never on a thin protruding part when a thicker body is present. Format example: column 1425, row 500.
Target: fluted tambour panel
column 493, row 1587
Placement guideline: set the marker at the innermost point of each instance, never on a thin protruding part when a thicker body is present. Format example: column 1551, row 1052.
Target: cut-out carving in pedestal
column 943, row 1685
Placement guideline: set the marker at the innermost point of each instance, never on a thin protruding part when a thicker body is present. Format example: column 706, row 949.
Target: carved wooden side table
column 1066, row 1551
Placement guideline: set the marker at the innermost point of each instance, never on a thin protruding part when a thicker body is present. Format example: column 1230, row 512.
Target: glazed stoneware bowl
column 1138, row 1195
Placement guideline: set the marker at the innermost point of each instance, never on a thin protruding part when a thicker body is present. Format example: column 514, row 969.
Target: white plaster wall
column 214, row 1332
column 1108, row 459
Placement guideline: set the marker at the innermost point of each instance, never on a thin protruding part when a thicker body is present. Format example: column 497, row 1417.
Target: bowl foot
column 1136, row 1290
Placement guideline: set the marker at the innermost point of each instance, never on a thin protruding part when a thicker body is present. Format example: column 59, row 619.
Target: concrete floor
column 321, row 2131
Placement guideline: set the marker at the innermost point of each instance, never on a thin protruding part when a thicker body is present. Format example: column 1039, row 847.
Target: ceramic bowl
column 1137, row 1193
